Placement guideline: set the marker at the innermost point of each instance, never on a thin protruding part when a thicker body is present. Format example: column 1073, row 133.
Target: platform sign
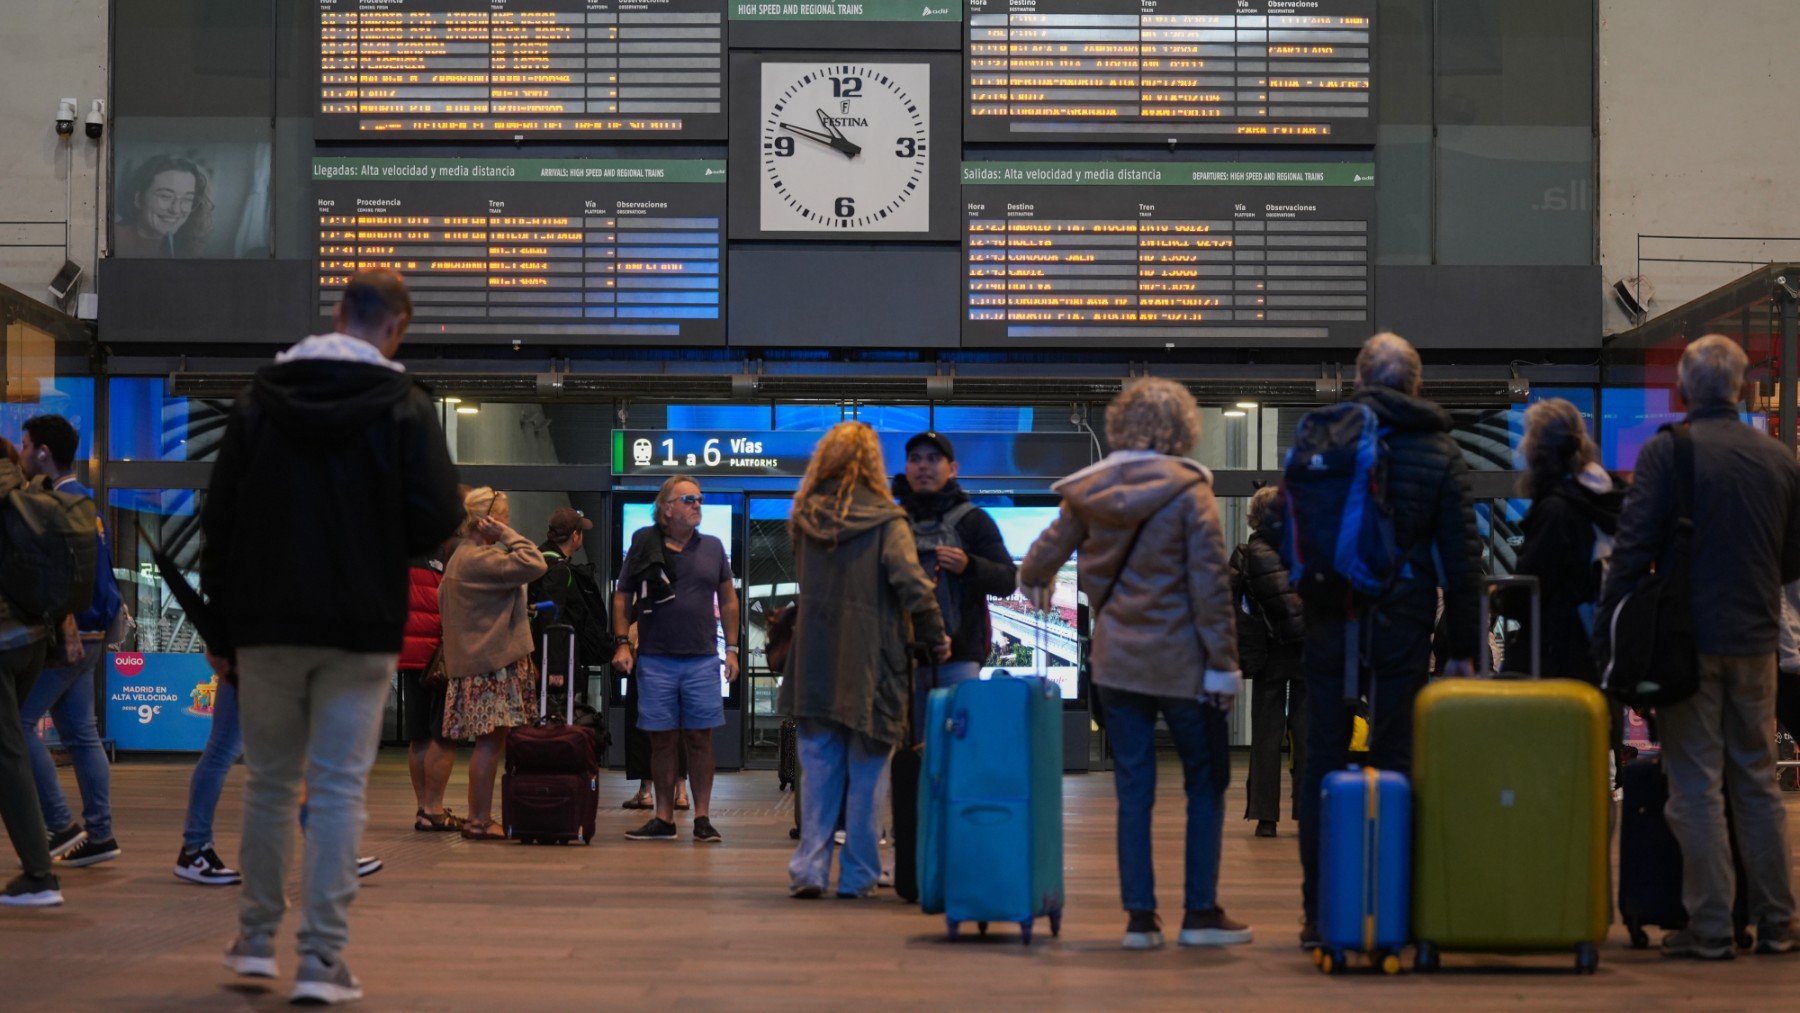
column 159, row 702
column 785, row 453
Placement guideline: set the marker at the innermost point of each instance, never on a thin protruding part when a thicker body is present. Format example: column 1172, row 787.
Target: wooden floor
column 452, row 924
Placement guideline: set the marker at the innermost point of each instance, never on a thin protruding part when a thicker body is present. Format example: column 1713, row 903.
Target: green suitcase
column 1512, row 806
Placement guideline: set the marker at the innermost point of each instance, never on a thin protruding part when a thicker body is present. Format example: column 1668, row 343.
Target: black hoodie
column 1434, row 519
column 1560, row 532
column 330, row 477
column 991, row 571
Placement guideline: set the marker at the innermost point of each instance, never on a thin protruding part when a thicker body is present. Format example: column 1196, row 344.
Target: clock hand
column 839, row 141
column 811, row 135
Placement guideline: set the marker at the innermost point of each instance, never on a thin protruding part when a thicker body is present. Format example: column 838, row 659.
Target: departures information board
column 534, row 251
column 438, row 69
column 1169, row 255
column 1148, row 71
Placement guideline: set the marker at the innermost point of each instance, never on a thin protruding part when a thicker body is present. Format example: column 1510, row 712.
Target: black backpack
column 1655, row 656
column 49, row 542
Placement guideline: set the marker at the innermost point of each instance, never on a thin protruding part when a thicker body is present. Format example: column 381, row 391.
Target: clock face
column 844, row 147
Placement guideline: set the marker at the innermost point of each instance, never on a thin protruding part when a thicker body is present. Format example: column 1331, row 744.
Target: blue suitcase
column 1365, row 868
column 990, row 805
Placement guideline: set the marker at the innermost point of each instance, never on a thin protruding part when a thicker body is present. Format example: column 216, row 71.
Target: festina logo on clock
column 844, row 147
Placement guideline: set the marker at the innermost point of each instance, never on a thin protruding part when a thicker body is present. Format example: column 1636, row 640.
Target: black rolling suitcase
column 550, row 793
column 903, row 781
column 1650, row 859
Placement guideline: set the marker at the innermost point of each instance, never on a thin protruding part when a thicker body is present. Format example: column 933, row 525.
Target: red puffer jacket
column 424, row 624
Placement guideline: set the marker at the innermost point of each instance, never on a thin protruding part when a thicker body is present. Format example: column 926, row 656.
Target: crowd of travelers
column 392, row 569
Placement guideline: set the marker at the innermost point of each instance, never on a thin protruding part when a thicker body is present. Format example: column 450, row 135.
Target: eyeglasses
column 691, row 499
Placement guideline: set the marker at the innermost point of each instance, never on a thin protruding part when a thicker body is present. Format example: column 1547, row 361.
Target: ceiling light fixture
column 468, row 409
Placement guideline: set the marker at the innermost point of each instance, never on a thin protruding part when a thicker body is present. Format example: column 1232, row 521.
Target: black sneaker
column 32, row 891
column 1212, row 928
column 1265, row 828
column 204, row 866
column 705, row 832
column 66, row 840
column 1776, row 939
column 653, row 830
column 1309, row 935
column 1687, row 944
column 1143, row 931
column 91, row 852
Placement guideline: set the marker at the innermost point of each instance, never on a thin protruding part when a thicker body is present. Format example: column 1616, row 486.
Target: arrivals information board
column 1149, row 71
column 530, row 68
column 545, row 251
column 1175, row 255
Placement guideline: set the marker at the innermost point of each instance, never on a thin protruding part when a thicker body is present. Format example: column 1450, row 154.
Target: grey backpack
column 929, row 536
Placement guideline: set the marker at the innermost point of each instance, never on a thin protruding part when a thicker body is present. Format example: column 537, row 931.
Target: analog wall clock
column 844, row 146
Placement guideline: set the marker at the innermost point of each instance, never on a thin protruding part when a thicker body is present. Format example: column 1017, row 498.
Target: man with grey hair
column 1721, row 740
column 1434, row 527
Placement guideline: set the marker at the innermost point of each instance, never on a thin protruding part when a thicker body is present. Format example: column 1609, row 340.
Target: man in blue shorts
column 677, row 584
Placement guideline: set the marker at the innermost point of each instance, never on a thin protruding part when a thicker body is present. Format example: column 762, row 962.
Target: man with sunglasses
column 677, row 660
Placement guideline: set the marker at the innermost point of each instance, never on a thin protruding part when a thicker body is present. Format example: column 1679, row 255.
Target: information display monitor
column 1167, row 255
column 549, row 69
column 1149, row 71
column 541, row 251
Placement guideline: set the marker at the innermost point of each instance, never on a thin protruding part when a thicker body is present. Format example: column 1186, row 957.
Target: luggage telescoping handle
column 544, row 676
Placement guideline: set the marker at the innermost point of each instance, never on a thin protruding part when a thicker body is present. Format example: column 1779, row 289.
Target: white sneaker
column 252, row 958
column 206, row 868
column 886, row 878
column 322, row 984
column 368, row 866
column 26, row 891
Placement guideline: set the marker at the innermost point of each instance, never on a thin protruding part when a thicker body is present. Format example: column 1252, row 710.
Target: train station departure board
column 510, row 68
column 1148, row 71
column 1175, row 255
column 538, row 251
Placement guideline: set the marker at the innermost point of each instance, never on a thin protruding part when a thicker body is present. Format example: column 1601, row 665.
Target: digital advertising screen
column 563, row 251
column 1170, row 255
column 1024, row 640
column 1146, row 71
column 536, row 69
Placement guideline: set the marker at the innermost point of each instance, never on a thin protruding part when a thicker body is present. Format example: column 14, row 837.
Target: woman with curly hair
column 1158, row 581
column 864, row 600
column 166, row 209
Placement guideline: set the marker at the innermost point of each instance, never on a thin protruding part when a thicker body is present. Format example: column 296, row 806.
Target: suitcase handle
column 568, row 679
column 958, row 724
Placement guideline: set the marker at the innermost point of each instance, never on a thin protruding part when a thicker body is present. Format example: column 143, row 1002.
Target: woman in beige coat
column 1154, row 566
column 487, row 645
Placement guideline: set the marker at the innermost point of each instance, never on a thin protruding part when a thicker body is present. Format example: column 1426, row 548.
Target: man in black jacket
column 332, row 474
column 1434, row 525
column 961, row 548
column 572, row 588
column 1746, row 545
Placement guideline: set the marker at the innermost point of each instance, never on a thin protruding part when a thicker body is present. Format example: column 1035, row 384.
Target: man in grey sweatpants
column 332, row 475
column 1721, row 740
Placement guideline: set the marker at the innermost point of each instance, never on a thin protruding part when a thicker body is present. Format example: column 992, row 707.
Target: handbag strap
column 1684, row 472
column 1131, row 547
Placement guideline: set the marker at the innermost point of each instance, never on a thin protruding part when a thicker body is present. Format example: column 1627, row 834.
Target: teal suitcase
column 990, row 805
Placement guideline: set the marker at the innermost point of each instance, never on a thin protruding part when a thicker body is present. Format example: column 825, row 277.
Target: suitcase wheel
column 1640, row 940
column 1425, row 958
column 981, row 927
column 1331, row 961
column 1318, row 956
column 953, row 928
column 1056, row 921
column 1389, row 963
column 1587, row 958
column 1025, row 933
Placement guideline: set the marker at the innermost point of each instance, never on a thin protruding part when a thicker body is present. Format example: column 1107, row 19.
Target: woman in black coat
column 1270, row 631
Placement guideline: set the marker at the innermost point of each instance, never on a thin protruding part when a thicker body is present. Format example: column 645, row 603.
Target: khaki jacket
column 482, row 600
column 1168, row 629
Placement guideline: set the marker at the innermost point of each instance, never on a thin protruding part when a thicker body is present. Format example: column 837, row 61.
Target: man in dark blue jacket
column 1746, row 545
column 333, row 474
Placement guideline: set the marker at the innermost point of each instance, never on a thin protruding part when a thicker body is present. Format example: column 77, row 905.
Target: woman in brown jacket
column 864, row 600
column 1153, row 564
column 487, row 645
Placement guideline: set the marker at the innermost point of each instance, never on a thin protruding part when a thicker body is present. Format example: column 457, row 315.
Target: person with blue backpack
column 66, row 691
column 1379, row 519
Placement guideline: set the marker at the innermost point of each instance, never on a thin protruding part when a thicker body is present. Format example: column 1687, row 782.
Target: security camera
column 96, row 119
column 65, row 117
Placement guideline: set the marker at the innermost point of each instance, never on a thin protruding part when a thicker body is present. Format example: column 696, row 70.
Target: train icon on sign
column 641, row 453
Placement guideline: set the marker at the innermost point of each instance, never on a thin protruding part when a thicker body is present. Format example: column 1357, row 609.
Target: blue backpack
column 1339, row 524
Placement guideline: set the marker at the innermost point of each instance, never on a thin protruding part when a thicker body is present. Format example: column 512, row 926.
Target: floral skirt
column 479, row 704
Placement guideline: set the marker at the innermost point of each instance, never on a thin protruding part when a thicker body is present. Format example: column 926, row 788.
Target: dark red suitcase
column 550, row 793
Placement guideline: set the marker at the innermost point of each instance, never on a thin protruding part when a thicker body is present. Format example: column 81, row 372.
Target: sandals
column 484, row 830
column 443, row 822
column 640, row 801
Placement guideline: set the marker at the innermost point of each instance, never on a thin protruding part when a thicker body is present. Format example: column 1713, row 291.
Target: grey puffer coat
column 1167, row 629
column 864, row 600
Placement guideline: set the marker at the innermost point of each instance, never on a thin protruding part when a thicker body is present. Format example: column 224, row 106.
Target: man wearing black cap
column 961, row 548
column 573, row 588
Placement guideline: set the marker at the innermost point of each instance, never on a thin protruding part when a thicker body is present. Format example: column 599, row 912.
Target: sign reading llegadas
column 772, row 454
column 159, row 702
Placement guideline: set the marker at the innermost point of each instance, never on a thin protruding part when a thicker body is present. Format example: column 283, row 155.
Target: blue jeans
column 948, row 674
column 223, row 746
column 840, row 772
column 67, row 695
column 1204, row 745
